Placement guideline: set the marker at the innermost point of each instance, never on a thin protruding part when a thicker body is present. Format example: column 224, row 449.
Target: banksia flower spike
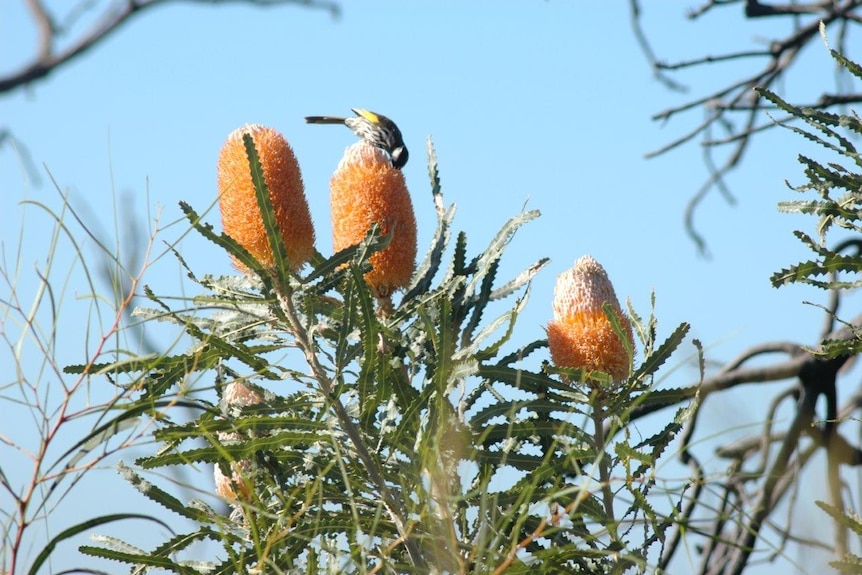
column 580, row 335
column 365, row 189
column 235, row 394
column 240, row 214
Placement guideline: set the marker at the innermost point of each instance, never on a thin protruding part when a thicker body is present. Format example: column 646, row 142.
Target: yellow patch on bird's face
column 367, row 114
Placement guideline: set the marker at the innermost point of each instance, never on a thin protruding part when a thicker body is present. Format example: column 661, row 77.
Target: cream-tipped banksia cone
column 240, row 214
column 366, row 189
column 580, row 335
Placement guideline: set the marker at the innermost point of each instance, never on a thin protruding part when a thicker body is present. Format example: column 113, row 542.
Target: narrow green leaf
column 667, row 397
column 366, row 320
column 480, row 300
column 264, row 202
column 510, row 409
column 832, row 348
column 184, row 540
column 848, row 518
column 651, row 364
column 851, row 66
column 135, row 559
column 430, row 264
column 523, row 352
column 228, row 244
column 523, row 379
column 486, row 353
column 803, row 271
column 522, row 279
column 459, row 257
column 83, row 527
column 163, row 498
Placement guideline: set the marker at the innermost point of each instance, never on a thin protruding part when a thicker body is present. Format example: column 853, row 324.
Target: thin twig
column 646, row 48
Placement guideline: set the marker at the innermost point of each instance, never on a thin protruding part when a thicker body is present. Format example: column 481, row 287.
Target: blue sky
column 544, row 105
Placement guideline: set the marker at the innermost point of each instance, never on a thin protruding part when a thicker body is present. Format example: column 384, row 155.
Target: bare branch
column 714, row 59
column 47, row 60
column 743, row 135
column 45, row 27
column 736, row 97
column 733, row 374
column 755, row 9
column 648, row 51
column 698, row 12
column 744, row 545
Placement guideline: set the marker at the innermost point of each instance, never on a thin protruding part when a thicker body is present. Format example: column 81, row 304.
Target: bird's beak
column 399, row 157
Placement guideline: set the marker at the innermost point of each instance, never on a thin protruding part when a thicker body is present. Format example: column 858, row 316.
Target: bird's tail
column 324, row 120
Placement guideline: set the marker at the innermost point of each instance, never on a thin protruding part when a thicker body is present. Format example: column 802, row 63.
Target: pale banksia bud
column 235, row 394
column 580, row 335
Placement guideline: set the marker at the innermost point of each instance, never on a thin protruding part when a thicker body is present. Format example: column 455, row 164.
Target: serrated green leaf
column 818, row 119
column 522, row 461
column 163, row 498
column 459, row 257
column 180, row 542
column 851, row 565
column 507, row 409
column 228, row 244
column 667, row 397
column 848, row 518
column 212, row 424
column 799, row 206
column 832, row 348
column 285, row 440
column 480, row 300
column 835, row 179
column 850, row 65
column 135, row 559
column 329, row 267
column 810, row 243
column 82, row 528
column 651, row 363
column 267, row 212
column 657, row 443
column 523, row 352
column 524, row 379
column 487, row 353
column 366, row 321
column 522, row 430
column 430, row 264
column 803, row 271
column 482, row 263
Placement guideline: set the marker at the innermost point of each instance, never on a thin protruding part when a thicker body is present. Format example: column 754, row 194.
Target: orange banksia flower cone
column 580, row 335
column 240, row 214
column 366, row 189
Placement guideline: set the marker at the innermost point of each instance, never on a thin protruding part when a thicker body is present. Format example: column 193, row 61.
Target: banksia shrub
column 392, row 443
column 581, row 335
column 241, row 217
column 366, row 189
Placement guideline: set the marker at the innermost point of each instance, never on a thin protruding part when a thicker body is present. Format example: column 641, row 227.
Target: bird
column 376, row 129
